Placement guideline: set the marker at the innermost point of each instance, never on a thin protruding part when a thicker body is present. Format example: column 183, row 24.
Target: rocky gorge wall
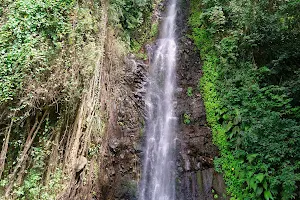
column 196, row 178
column 196, row 175
column 120, row 171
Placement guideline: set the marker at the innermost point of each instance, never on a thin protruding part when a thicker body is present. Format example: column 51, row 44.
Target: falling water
column 158, row 181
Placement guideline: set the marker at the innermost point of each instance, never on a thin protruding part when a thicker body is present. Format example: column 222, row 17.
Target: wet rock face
column 196, row 177
column 122, row 161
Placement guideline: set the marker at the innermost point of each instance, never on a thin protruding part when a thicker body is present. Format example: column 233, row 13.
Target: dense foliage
column 49, row 50
column 29, row 38
column 32, row 35
column 133, row 21
column 251, row 91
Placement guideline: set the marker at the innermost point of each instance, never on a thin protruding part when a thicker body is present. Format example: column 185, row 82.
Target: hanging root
column 4, row 148
column 33, row 132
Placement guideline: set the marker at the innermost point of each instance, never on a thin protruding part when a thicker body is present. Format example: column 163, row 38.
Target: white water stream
column 158, row 178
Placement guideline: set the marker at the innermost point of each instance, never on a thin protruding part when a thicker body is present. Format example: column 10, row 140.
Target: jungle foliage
column 133, row 21
column 49, row 52
column 251, row 91
column 38, row 72
column 31, row 35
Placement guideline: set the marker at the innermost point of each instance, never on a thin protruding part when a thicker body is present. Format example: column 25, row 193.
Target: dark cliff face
column 197, row 179
column 196, row 176
column 120, row 172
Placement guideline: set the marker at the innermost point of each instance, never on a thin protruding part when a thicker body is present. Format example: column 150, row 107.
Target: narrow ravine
column 158, row 179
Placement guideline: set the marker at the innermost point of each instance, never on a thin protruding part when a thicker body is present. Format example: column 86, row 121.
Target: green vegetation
column 32, row 34
column 186, row 118
column 133, row 22
column 50, row 50
column 251, row 91
column 189, row 91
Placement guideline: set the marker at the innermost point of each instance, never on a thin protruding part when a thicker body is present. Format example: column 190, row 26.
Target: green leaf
column 236, row 130
column 259, row 191
column 260, row 177
column 265, row 184
column 237, row 120
column 226, row 116
column 227, row 126
column 267, row 195
column 253, row 184
column 251, row 157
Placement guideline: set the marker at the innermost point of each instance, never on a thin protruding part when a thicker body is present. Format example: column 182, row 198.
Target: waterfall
column 158, row 176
